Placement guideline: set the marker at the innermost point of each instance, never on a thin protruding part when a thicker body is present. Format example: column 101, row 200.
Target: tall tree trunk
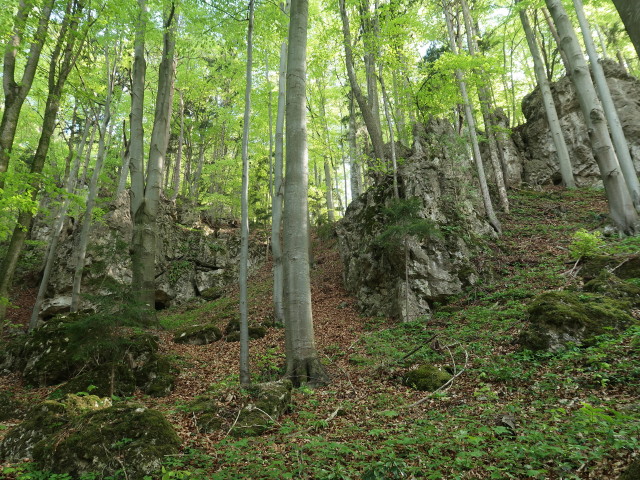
column 178, row 165
column 621, row 207
column 387, row 114
column 484, row 96
column 81, row 251
column 471, row 125
column 62, row 60
column 630, row 15
column 554, row 34
column 356, row 174
column 126, row 159
column 278, row 193
column 303, row 363
column 615, row 127
column 57, row 228
column 366, row 107
column 245, row 378
column 145, row 217
column 329, row 186
column 564, row 160
column 15, row 93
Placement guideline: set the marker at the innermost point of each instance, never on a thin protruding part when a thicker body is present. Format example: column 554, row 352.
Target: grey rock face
column 437, row 266
column 534, row 137
column 191, row 257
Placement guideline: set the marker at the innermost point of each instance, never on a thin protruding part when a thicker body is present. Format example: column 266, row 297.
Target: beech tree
column 303, row 363
column 146, row 191
column 621, row 206
column 630, row 15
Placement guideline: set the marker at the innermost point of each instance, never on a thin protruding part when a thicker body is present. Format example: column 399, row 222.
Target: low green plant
column 585, row 244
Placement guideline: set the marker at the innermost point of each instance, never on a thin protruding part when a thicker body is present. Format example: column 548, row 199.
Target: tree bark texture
column 630, row 15
column 621, row 207
column 303, row 363
column 566, row 170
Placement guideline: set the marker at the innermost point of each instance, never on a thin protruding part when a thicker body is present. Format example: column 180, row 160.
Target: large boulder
column 84, row 435
column 562, row 318
column 534, row 137
column 100, row 361
column 192, row 257
column 436, row 265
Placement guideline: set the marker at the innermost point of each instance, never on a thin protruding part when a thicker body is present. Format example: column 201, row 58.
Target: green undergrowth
column 508, row 414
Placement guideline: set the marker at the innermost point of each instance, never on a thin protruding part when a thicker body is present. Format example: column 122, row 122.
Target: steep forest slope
column 506, row 413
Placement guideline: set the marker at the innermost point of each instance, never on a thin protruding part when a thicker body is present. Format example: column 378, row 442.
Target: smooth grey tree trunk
column 81, row 250
column 566, row 170
column 126, row 159
column 329, row 195
column 554, row 34
column 145, row 217
column 245, row 378
column 15, row 92
column 278, row 193
column 485, row 106
column 371, row 121
column 356, row 174
column 178, row 165
column 303, row 362
column 387, row 114
column 471, row 125
column 57, row 227
column 615, row 127
column 621, row 209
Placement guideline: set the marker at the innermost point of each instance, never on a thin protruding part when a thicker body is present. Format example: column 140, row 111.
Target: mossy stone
column 268, row 401
column 254, row 334
column 426, row 378
column 205, row 412
column 104, row 380
column 557, row 319
column 157, row 376
column 198, row 335
column 125, row 436
column 626, row 267
column 10, row 407
column 212, row 293
column 606, row 283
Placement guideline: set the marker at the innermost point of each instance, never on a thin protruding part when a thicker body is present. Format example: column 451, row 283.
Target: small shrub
column 585, row 244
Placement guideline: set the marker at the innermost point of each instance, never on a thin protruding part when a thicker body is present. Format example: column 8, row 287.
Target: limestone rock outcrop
column 438, row 175
column 534, row 137
column 192, row 259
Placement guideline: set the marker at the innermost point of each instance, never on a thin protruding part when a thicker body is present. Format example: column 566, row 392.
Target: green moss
column 631, row 473
column 10, row 407
column 212, row 293
column 205, row 412
column 104, row 380
column 198, row 334
column 559, row 318
column 610, row 285
column 126, row 436
column 157, row 376
column 268, row 402
column 625, row 267
column 426, row 378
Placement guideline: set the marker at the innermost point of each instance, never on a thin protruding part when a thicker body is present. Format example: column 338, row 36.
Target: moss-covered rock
column 104, row 380
column 626, row 267
column 198, row 335
column 426, row 378
column 606, row 283
column 268, row 401
column 81, row 435
column 126, row 437
column 10, row 407
column 254, row 334
column 557, row 319
column 212, row 293
column 157, row 377
column 205, row 411
column 44, row 420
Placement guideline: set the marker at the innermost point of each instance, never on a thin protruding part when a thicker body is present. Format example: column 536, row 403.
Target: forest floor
column 507, row 414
